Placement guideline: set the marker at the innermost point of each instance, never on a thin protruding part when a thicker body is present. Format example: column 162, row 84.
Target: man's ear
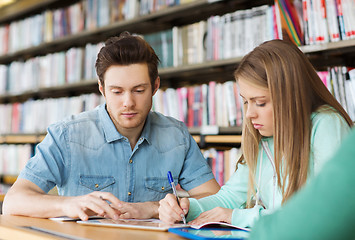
column 101, row 89
column 156, row 85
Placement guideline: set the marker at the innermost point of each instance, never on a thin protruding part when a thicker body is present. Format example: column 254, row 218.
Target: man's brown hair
column 125, row 50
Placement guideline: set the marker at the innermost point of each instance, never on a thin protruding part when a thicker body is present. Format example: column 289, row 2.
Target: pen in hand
column 171, row 181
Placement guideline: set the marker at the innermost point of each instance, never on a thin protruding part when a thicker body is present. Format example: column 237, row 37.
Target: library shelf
column 21, row 138
column 36, row 138
column 7, row 179
column 219, row 139
column 172, row 76
column 320, row 55
column 154, row 22
column 21, row 8
column 342, row 46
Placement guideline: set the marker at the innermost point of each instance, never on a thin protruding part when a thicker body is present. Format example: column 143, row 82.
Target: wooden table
column 11, row 228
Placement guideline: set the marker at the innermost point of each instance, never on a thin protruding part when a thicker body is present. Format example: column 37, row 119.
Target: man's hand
column 95, row 203
column 140, row 210
column 217, row 214
column 170, row 211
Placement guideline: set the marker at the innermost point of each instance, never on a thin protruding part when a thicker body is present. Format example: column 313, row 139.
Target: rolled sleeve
column 46, row 168
column 195, row 170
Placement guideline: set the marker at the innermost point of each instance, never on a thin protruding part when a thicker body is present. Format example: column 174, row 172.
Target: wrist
column 153, row 206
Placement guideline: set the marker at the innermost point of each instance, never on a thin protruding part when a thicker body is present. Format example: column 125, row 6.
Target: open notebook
column 153, row 224
column 144, row 224
column 218, row 225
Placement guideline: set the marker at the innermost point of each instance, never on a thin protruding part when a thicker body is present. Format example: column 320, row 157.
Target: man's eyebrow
column 139, row 85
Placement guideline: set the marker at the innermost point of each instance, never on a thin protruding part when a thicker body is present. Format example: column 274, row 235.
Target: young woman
column 292, row 126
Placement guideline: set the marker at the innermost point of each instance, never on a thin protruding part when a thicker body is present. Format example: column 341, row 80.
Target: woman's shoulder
column 326, row 113
column 326, row 117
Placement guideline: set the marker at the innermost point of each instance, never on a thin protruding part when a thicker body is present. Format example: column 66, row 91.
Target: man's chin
column 129, row 124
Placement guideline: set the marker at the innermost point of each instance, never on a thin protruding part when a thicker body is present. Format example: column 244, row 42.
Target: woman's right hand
column 170, row 211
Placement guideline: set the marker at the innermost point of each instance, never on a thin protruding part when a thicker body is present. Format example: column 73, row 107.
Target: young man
column 113, row 161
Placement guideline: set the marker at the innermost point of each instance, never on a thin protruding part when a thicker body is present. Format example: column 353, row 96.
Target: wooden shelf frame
column 7, row 179
column 219, row 139
column 21, row 138
column 22, row 8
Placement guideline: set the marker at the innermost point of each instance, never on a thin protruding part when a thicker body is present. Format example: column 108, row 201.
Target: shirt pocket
column 158, row 185
column 97, row 183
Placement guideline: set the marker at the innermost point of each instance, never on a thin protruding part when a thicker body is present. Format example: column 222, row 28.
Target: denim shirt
column 85, row 153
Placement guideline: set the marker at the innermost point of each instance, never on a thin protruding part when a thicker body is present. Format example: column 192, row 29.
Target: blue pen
column 171, row 181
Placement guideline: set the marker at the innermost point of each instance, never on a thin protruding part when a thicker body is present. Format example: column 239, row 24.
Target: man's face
column 128, row 94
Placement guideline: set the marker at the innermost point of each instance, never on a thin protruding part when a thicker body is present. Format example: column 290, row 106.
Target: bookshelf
column 219, row 70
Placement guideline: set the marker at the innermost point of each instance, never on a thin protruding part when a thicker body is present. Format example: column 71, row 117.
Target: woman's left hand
column 217, row 214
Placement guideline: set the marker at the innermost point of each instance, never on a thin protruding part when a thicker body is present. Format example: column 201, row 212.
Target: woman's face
column 258, row 107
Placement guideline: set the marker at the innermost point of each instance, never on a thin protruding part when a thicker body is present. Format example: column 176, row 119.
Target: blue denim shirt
column 86, row 153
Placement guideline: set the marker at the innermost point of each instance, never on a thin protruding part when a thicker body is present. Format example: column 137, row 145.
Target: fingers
column 127, row 210
column 115, row 202
column 98, row 202
column 108, row 210
column 185, row 205
column 83, row 216
column 214, row 215
column 169, row 210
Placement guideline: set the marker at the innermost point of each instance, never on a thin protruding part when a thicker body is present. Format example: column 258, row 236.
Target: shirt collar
column 110, row 131
column 146, row 133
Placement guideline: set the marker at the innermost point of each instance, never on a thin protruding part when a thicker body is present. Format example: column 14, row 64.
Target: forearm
column 33, row 204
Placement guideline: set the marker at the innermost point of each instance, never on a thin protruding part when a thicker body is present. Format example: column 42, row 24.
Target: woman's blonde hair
column 296, row 91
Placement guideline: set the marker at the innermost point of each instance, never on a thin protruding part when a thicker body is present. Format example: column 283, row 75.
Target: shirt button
column 129, row 193
column 162, row 188
column 96, row 185
column 130, row 161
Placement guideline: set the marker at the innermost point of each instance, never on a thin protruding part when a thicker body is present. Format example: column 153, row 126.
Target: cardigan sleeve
column 232, row 195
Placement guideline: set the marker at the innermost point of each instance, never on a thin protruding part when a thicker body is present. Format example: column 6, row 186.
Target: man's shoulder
column 165, row 121
column 84, row 128
column 82, row 119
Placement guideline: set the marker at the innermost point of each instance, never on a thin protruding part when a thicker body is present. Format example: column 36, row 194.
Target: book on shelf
column 339, row 82
column 202, row 105
column 34, row 116
column 222, row 162
column 14, row 158
column 289, row 21
column 328, row 21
